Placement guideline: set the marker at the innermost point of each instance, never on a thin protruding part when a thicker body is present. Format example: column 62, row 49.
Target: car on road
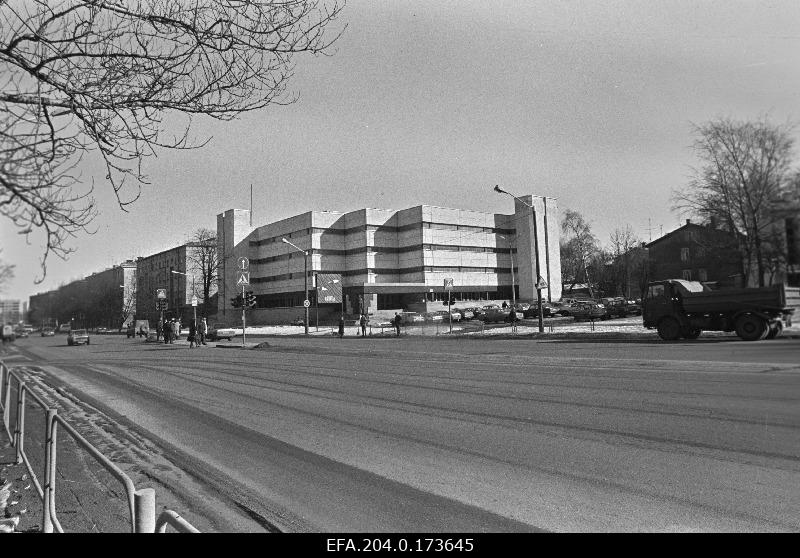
column 8, row 333
column 221, row 331
column 47, row 332
column 101, row 330
column 20, row 333
column 64, row 328
column 78, row 337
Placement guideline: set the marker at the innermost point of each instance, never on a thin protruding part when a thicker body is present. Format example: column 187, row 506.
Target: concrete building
column 10, row 312
column 176, row 271
column 103, row 299
column 386, row 260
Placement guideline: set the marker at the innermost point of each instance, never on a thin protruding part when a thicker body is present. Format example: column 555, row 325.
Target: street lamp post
column 305, row 278
column 536, row 252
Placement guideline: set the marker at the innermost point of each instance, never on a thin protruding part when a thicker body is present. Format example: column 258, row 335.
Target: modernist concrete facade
column 389, row 259
column 10, row 312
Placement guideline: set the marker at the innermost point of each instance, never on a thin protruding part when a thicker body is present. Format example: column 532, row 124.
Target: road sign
column 161, row 293
column 194, row 301
column 448, row 283
column 306, row 303
column 244, row 263
column 542, row 284
column 244, row 278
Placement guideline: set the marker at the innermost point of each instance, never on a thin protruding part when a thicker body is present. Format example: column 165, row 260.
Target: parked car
column 523, row 306
column 548, row 309
column 477, row 312
column 408, row 318
column 221, row 331
column 48, row 332
column 299, row 322
column 437, row 316
column 588, row 310
column 20, row 333
column 102, row 330
column 495, row 314
column 466, row 313
column 78, row 337
column 454, row 314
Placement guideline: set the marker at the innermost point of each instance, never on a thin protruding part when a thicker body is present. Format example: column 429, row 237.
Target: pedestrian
column 363, row 322
column 505, row 305
column 176, row 330
column 159, row 329
column 192, row 334
column 203, row 331
column 397, row 320
column 141, row 331
column 513, row 317
column 341, row 327
column 167, row 331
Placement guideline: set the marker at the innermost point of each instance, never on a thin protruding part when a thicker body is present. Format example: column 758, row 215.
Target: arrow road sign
column 244, row 278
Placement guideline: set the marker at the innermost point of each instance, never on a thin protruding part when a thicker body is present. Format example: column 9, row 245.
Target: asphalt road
column 469, row 435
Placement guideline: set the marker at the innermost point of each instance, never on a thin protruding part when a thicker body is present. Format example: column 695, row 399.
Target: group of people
column 171, row 330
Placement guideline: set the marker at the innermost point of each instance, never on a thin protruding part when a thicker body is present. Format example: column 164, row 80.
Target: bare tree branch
column 100, row 76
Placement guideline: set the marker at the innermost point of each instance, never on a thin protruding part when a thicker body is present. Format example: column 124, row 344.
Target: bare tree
column 578, row 247
column 6, row 273
column 203, row 257
column 625, row 246
column 100, row 77
column 745, row 168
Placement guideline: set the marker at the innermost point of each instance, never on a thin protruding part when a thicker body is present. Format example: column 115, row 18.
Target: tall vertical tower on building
column 547, row 231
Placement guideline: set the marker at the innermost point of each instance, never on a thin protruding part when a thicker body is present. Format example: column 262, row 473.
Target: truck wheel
column 669, row 329
column 775, row 330
column 691, row 333
column 751, row 328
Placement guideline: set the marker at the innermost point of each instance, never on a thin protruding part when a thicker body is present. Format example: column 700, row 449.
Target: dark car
column 588, row 310
column 548, row 309
column 48, row 332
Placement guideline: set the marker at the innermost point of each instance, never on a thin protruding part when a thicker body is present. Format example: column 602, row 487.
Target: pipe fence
column 141, row 504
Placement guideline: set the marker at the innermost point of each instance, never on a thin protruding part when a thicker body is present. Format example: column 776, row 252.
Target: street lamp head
column 499, row 190
column 284, row 240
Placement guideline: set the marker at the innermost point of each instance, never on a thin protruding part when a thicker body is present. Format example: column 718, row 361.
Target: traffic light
column 236, row 301
column 250, row 299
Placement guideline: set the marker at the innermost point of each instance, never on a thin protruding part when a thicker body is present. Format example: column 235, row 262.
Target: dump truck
column 677, row 309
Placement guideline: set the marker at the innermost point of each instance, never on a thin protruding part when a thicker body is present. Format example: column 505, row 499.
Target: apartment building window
column 687, row 274
column 684, row 254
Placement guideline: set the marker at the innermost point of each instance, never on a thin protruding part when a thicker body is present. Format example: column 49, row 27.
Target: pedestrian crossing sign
column 244, row 278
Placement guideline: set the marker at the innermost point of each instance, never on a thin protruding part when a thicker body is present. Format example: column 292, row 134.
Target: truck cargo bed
column 770, row 298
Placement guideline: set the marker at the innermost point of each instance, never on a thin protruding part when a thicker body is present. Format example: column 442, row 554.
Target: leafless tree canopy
column 204, row 262
column 578, row 247
column 6, row 273
column 99, row 77
column 745, row 169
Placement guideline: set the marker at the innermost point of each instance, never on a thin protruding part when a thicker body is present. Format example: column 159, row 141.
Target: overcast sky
column 425, row 102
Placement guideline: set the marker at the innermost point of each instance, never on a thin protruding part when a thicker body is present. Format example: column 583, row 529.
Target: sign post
column 194, row 305
column 161, row 295
column 244, row 279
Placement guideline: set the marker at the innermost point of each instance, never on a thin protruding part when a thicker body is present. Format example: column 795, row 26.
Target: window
column 655, row 291
column 687, row 274
column 684, row 255
column 702, row 275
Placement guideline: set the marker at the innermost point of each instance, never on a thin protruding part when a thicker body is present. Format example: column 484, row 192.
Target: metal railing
column 140, row 503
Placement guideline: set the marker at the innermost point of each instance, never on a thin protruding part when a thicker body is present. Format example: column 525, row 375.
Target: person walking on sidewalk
column 203, row 331
column 397, row 320
column 363, row 322
column 341, row 327
column 166, row 331
column 192, row 335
